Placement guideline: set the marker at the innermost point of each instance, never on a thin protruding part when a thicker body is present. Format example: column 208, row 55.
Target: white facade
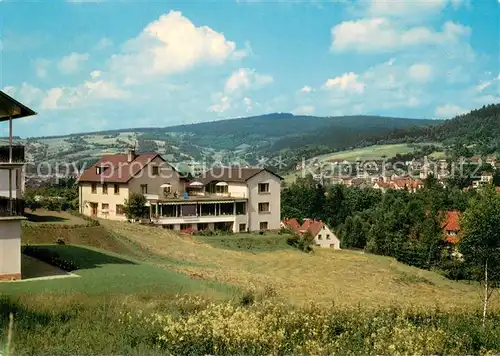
column 10, row 248
column 326, row 238
column 17, row 182
column 250, row 205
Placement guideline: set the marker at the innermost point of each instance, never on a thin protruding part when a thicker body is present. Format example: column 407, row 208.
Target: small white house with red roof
column 323, row 236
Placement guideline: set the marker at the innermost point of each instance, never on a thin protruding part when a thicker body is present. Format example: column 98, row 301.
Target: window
column 263, row 188
column 241, row 208
column 263, row 225
column 155, row 171
column 320, row 237
column 117, row 188
column 328, row 236
column 144, row 189
column 263, row 207
column 167, row 190
column 119, row 210
column 94, row 188
column 104, row 188
column 243, row 227
column 105, row 206
column 221, row 189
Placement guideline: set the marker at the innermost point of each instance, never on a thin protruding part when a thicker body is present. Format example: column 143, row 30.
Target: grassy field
column 52, row 217
column 147, row 290
column 326, row 276
column 238, row 263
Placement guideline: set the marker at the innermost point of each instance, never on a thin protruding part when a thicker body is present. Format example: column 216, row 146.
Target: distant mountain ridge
column 235, row 140
column 480, row 127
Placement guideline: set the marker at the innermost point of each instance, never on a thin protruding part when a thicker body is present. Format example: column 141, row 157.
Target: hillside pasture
column 325, row 276
column 376, row 152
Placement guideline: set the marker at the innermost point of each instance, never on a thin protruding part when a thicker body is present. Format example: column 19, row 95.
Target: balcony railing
column 11, row 207
column 17, row 154
column 207, row 194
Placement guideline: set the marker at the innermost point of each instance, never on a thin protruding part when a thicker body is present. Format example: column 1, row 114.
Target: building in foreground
column 11, row 190
column 223, row 198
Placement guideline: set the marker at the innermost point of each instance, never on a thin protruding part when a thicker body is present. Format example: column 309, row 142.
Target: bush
column 302, row 242
column 49, row 257
column 208, row 232
column 60, row 241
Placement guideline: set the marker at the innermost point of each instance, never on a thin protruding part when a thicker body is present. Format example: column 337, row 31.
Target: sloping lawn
column 40, row 216
column 247, row 242
column 104, row 272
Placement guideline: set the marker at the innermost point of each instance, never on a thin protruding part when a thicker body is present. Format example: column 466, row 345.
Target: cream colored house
column 323, row 236
column 104, row 187
column 223, row 198
column 11, row 189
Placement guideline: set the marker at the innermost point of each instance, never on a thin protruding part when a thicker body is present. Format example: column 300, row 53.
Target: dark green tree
column 480, row 242
column 135, row 206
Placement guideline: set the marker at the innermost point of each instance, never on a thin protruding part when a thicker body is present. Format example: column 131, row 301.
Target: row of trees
column 62, row 195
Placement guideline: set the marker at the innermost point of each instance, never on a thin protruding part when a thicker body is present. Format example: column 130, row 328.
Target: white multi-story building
column 11, row 190
column 223, row 198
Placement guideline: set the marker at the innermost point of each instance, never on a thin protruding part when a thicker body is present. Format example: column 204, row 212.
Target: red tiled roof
column 497, row 189
column 233, row 174
column 313, row 226
column 292, row 224
column 116, row 169
column 451, row 223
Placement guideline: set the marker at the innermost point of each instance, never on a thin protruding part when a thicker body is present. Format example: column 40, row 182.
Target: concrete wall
column 237, row 190
column 10, row 249
column 326, row 238
column 273, row 198
column 17, row 183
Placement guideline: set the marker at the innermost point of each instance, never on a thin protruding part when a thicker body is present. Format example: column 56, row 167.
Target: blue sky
column 94, row 65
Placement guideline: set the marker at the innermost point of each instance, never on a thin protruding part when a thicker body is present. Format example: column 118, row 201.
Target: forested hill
column 480, row 128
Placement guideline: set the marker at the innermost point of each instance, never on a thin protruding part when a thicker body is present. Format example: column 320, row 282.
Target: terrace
column 11, row 155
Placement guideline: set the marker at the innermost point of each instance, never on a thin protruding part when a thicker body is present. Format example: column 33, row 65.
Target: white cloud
column 306, row 89
column 41, row 67
column 304, row 110
column 95, row 74
column 26, row 93
column 420, row 72
column 103, row 43
column 383, row 35
column 245, row 78
column 70, row 63
column 9, row 90
column 486, row 84
column 348, row 82
column 50, row 102
column 102, row 89
column 449, row 111
column 173, row 44
column 248, row 103
column 409, row 9
column 223, row 103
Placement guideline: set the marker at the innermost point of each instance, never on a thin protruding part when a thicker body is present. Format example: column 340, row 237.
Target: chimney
column 131, row 155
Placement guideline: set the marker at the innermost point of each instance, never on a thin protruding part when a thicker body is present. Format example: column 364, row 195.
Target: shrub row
column 273, row 328
column 212, row 233
column 49, row 257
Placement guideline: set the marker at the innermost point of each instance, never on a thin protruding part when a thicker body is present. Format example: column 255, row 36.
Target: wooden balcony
column 11, row 207
column 17, row 158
